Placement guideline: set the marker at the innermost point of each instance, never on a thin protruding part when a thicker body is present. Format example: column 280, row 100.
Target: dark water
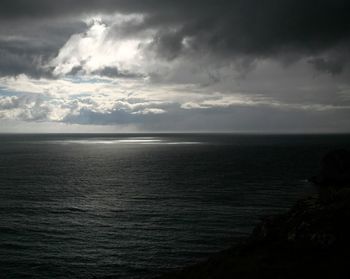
column 128, row 206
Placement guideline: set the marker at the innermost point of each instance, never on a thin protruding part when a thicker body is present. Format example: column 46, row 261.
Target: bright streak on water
column 155, row 141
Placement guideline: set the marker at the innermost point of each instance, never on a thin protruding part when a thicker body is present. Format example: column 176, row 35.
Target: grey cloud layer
column 188, row 64
column 27, row 44
column 286, row 30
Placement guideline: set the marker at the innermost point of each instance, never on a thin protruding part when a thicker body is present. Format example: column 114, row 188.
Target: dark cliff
column 311, row 240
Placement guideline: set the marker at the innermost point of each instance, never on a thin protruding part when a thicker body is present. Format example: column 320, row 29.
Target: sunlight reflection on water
column 123, row 141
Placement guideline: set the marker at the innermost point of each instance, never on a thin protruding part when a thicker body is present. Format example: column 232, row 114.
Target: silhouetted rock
column 335, row 171
column 334, row 174
column 311, row 240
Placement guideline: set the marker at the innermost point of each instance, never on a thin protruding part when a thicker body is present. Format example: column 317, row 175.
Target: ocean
column 138, row 205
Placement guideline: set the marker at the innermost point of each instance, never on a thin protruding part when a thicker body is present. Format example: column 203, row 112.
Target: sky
column 272, row 66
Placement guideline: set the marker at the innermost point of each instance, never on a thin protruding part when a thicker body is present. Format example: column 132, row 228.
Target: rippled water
column 132, row 206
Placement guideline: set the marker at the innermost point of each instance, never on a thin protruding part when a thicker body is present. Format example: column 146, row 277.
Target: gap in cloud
column 95, row 51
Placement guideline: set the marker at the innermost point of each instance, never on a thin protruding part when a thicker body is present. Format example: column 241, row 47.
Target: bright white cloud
column 94, row 50
column 218, row 100
column 69, row 100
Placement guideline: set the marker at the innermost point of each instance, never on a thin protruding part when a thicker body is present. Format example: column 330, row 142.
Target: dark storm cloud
column 12, row 64
column 259, row 29
column 24, row 56
column 227, row 29
column 111, row 72
column 332, row 66
column 245, row 25
column 114, row 72
column 26, row 44
column 333, row 62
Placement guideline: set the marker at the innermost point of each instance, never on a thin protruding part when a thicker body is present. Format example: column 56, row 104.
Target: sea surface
column 137, row 205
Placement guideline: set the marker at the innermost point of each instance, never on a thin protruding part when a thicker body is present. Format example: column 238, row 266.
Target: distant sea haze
column 134, row 206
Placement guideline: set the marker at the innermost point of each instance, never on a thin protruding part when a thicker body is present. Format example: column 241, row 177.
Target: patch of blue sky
column 83, row 79
column 8, row 93
column 5, row 92
column 78, row 95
